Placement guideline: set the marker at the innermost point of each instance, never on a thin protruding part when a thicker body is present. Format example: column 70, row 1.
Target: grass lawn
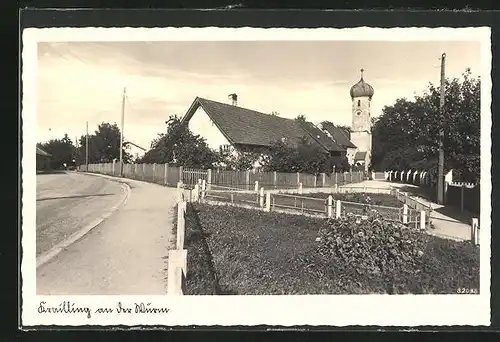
column 248, row 252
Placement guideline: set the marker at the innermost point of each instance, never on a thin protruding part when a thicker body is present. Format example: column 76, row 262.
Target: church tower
column 361, row 136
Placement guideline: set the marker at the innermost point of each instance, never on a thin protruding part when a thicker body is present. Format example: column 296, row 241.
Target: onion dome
column 362, row 88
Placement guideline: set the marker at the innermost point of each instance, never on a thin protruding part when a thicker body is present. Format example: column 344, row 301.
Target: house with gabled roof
column 42, row 159
column 228, row 126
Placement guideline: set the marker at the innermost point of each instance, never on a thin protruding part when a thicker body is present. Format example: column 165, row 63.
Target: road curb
column 54, row 251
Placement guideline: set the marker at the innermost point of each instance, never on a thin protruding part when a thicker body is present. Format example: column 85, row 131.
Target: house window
column 359, row 103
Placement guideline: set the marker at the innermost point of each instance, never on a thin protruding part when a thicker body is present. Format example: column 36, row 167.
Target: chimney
column 234, row 99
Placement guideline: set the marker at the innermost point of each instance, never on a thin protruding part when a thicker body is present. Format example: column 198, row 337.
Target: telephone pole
column 121, row 132
column 440, row 190
column 87, row 148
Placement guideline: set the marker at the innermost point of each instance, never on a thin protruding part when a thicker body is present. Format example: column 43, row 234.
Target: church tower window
column 359, row 103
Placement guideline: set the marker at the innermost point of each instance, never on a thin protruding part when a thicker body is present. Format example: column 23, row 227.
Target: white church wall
column 361, row 114
column 201, row 124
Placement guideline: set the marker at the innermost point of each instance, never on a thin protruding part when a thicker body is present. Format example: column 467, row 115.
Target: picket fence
column 170, row 175
column 461, row 195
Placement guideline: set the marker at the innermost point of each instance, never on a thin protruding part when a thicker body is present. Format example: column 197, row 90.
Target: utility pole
column 440, row 190
column 121, row 132
column 87, row 148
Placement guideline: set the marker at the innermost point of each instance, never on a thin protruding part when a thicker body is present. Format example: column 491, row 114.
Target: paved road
column 124, row 255
column 67, row 202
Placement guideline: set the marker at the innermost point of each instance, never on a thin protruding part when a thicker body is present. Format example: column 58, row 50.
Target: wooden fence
column 170, row 175
column 411, row 211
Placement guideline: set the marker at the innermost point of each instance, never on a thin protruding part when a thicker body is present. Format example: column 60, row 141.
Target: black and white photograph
column 220, row 176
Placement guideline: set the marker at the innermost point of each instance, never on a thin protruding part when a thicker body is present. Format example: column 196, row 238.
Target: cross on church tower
column 362, row 73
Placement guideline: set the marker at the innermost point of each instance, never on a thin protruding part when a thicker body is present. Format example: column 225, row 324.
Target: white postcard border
column 387, row 310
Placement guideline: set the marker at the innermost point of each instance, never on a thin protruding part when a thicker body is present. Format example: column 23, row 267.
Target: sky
column 84, row 81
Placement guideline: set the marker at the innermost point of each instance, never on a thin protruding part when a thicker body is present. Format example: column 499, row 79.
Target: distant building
column 238, row 129
column 42, row 160
column 230, row 127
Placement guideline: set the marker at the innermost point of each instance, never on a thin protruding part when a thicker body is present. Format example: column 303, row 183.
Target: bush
column 389, row 257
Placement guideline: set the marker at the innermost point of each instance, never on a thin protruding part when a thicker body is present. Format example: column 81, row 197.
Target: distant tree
column 305, row 157
column 345, row 128
column 275, row 114
column 180, row 146
column 104, row 145
column 62, row 152
column 341, row 164
column 406, row 135
column 232, row 159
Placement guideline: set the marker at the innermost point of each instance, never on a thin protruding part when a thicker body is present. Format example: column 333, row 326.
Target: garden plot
column 248, row 252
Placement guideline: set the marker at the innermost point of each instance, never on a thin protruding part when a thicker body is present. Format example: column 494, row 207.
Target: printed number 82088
column 463, row 290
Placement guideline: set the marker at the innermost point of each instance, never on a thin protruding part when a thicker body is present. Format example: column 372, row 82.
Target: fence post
column 247, row 179
column 422, row 220
column 143, row 171
column 181, row 171
column 209, row 178
column 165, row 175
column 323, row 179
column 203, row 188
column 330, row 208
column 300, row 188
column 177, row 265
column 268, row 201
column 336, row 188
column 275, row 179
column 405, row 213
column 113, row 168
column 256, row 186
column 179, row 192
column 337, row 208
column 474, row 231
column 315, row 180
column 196, row 190
column 154, row 171
column 261, row 199
column 298, row 178
column 462, row 192
column 336, row 179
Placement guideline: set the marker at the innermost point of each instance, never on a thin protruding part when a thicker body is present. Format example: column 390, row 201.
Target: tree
column 305, row 157
column 104, row 145
column 180, row 146
column 406, row 135
column 62, row 152
column 232, row 159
